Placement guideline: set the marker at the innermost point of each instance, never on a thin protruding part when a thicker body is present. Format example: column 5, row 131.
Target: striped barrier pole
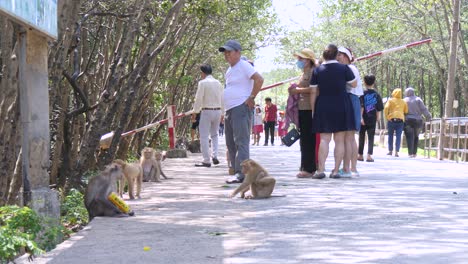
column 383, row 52
column 171, row 125
column 106, row 139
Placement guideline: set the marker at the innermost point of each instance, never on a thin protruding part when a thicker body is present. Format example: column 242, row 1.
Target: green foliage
column 72, row 209
column 19, row 227
column 368, row 26
column 51, row 234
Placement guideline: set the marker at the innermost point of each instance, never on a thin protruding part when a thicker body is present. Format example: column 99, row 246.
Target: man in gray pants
column 243, row 83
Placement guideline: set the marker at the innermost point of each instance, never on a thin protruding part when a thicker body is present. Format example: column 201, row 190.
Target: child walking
column 372, row 105
column 257, row 125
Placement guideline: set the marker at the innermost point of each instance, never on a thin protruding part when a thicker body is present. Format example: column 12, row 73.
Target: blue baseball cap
column 230, row 45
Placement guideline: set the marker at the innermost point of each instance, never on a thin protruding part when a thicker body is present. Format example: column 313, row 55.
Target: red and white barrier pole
column 279, row 83
column 383, row 52
column 106, row 139
column 171, row 125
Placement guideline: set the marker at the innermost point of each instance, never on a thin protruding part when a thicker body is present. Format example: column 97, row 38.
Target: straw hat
column 306, row 54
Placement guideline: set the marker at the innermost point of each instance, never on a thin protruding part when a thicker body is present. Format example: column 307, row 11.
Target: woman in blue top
column 333, row 110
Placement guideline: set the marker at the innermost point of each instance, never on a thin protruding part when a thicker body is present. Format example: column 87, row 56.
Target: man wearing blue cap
column 243, row 83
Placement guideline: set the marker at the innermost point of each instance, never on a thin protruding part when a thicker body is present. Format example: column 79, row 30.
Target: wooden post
column 440, row 152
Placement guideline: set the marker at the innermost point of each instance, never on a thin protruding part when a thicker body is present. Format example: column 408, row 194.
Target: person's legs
column 241, row 118
column 409, row 130
column 272, row 132
column 391, row 130
column 229, row 136
column 323, row 151
column 204, row 128
column 416, row 140
column 351, row 152
column 398, row 130
column 215, row 116
column 370, row 140
column 266, row 130
column 362, row 139
column 307, row 142
column 347, row 150
column 192, row 134
column 339, row 152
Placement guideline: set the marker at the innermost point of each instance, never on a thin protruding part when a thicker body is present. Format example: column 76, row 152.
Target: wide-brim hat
column 306, row 54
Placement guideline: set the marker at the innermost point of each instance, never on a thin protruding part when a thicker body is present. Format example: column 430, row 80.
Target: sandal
column 304, row 174
column 370, row 160
column 319, row 175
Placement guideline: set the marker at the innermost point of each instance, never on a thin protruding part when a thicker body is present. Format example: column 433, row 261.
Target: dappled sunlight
column 398, row 211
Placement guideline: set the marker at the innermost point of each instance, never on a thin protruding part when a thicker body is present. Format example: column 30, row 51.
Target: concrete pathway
column 400, row 210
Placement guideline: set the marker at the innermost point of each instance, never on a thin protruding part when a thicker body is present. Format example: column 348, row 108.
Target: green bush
column 73, row 210
column 19, row 227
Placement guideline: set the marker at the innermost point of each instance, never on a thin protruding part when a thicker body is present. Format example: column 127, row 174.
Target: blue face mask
column 300, row 64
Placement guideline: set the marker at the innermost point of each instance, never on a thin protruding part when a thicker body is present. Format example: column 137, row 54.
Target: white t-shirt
column 238, row 84
column 258, row 120
column 358, row 89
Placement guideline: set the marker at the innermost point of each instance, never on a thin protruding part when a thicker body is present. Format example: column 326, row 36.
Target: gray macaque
column 99, row 188
column 150, row 161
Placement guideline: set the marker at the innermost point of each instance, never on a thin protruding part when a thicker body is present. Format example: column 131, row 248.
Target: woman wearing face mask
column 308, row 141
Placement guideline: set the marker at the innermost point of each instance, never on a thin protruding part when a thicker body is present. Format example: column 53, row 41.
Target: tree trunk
column 453, row 60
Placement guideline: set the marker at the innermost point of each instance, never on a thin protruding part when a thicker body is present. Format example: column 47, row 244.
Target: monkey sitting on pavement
column 134, row 175
column 150, row 161
column 97, row 192
column 257, row 180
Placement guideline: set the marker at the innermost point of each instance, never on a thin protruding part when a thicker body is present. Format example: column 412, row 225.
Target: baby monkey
column 257, row 180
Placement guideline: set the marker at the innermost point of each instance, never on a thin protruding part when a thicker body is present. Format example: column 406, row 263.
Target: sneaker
column 272, row 144
column 266, row 144
column 236, row 178
column 354, row 174
column 215, row 161
column 389, row 153
column 396, row 154
column 335, row 175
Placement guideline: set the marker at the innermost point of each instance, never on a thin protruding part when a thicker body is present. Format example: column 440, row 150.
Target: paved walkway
column 400, row 210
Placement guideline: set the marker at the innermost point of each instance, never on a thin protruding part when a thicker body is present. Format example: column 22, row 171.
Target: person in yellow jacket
column 395, row 110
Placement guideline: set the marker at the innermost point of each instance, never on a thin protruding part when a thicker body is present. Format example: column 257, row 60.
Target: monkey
column 150, row 161
column 134, row 175
column 99, row 188
column 257, row 180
